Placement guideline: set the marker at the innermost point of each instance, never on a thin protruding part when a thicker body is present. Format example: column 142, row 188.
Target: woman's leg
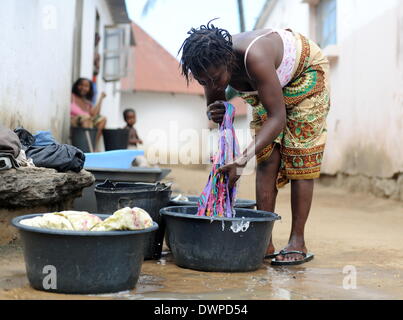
column 266, row 190
column 301, row 200
column 85, row 122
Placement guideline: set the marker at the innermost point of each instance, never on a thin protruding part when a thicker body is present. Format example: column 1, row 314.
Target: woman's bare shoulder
column 265, row 49
column 242, row 40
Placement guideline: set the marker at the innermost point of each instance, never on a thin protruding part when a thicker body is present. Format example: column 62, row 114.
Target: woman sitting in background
column 83, row 114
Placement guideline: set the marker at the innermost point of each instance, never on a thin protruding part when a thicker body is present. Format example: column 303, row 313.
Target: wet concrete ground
column 351, row 232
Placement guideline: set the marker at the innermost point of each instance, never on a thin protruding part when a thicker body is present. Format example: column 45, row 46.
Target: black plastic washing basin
column 84, row 262
column 151, row 197
column 218, row 244
column 193, row 200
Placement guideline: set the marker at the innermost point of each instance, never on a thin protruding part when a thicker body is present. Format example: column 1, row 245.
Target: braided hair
column 206, row 46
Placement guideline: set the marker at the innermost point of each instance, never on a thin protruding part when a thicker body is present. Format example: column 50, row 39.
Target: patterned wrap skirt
column 307, row 101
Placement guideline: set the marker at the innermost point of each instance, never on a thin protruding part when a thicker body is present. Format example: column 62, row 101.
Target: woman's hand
column 103, row 95
column 216, row 111
column 234, row 170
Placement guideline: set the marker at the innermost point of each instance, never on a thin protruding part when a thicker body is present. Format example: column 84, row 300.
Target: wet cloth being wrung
column 217, row 199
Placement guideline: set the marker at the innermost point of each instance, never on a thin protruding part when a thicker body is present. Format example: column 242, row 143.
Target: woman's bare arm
column 97, row 109
column 261, row 67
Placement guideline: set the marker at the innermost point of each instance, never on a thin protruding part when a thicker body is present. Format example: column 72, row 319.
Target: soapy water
column 236, row 226
column 240, row 225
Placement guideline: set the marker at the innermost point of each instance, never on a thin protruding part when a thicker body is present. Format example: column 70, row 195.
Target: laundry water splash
column 240, row 225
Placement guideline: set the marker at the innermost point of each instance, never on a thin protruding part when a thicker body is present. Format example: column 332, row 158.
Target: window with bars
column 326, row 23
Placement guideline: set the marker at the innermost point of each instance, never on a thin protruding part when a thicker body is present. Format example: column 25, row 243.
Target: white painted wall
column 36, row 64
column 171, row 123
column 365, row 127
column 291, row 14
column 366, row 118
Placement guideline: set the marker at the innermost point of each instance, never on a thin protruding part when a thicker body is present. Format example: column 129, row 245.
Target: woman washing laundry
column 284, row 77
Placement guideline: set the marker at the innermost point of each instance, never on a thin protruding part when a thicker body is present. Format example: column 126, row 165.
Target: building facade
column 46, row 46
column 171, row 115
column 363, row 40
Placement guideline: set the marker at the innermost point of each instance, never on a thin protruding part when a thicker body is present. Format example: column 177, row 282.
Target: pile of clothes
column 21, row 148
column 123, row 219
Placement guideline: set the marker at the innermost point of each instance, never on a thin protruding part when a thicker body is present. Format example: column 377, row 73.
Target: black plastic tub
column 151, row 197
column 87, row 201
column 84, row 138
column 218, row 244
column 83, row 262
column 115, row 139
column 193, row 200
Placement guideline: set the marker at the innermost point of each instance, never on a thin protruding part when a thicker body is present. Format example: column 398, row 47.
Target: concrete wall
column 291, row 14
column 170, row 123
column 366, row 118
column 37, row 56
column 36, row 64
column 365, row 127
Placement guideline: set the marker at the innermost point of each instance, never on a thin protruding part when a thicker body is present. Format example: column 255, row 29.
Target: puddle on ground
column 162, row 279
column 268, row 282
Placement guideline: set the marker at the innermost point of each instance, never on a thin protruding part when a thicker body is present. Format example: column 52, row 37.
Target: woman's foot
column 296, row 245
column 270, row 252
column 270, row 249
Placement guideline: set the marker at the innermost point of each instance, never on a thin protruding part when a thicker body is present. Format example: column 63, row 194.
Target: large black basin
column 151, row 197
column 115, row 139
column 84, row 262
column 193, row 201
column 218, row 244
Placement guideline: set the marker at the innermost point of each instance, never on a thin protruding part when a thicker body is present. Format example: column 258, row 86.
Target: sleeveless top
column 75, row 109
column 284, row 71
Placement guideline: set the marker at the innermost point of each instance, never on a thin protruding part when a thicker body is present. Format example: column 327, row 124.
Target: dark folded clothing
column 62, row 157
column 7, row 161
column 26, row 138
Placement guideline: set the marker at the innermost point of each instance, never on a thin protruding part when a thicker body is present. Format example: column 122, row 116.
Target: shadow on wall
column 13, row 120
column 368, row 170
column 371, row 161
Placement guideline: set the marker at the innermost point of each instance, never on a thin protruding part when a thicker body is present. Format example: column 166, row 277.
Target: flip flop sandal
column 307, row 257
column 271, row 256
